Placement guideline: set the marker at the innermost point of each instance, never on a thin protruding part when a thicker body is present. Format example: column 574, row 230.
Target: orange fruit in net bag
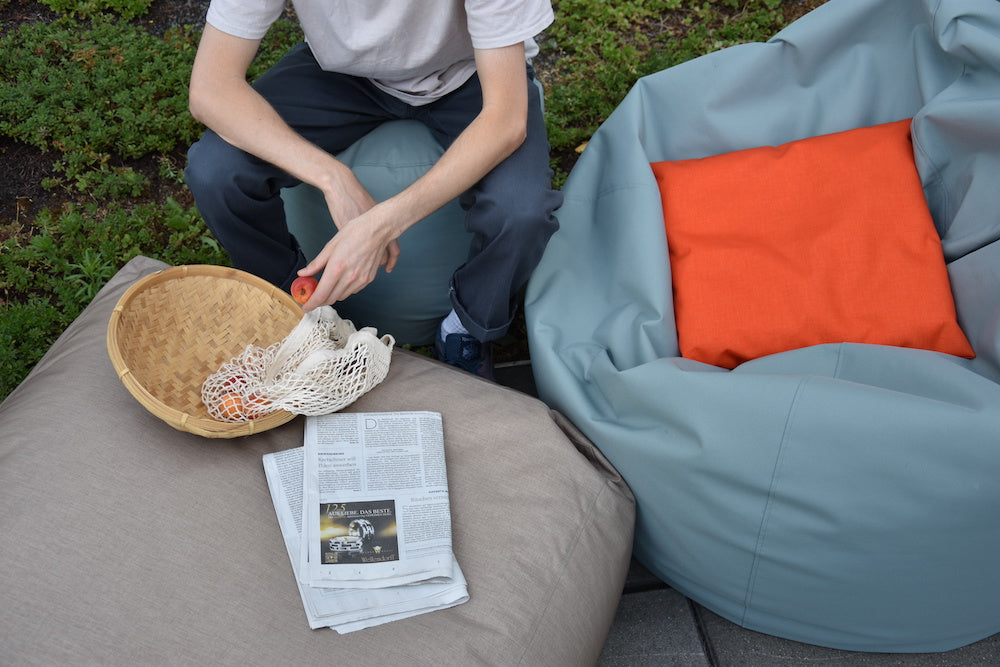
column 256, row 406
column 235, row 381
column 231, row 406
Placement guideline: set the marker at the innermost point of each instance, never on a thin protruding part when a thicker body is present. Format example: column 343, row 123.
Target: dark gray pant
column 509, row 211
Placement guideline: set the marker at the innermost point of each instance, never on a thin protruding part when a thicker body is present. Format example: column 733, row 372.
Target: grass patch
column 125, row 8
column 106, row 98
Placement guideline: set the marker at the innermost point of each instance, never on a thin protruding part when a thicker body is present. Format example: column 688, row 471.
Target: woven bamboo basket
column 174, row 328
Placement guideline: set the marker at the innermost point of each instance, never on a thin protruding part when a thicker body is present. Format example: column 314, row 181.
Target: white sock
column 452, row 325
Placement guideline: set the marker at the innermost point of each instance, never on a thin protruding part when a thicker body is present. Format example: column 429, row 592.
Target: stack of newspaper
column 364, row 511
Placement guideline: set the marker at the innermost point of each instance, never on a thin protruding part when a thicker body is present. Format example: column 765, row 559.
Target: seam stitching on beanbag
column 593, row 197
column 765, row 516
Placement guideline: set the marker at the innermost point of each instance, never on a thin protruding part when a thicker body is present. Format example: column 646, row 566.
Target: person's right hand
column 362, row 244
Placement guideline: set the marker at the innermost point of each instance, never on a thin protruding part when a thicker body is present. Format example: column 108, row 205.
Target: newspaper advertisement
column 347, row 609
column 376, row 509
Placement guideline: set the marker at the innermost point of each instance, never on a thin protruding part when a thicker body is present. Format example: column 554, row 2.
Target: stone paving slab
column 654, row 628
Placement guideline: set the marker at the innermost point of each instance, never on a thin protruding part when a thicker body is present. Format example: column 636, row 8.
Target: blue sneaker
column 465, row 352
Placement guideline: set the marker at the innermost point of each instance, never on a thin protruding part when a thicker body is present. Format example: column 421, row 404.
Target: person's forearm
column 484, row 144
column 222, row 100
column 490, row 138
column 244, row 119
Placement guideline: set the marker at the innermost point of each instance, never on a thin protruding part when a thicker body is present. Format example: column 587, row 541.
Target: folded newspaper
column 364, row 511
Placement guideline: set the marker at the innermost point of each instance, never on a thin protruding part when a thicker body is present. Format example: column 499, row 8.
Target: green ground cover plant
column 124, row 8
column 100, row 96
column 93, row 93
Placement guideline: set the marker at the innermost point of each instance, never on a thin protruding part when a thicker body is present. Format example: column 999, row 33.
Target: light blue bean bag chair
column 846, row 495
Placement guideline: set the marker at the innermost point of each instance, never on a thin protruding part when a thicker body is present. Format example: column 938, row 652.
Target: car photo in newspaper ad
column 358, row 532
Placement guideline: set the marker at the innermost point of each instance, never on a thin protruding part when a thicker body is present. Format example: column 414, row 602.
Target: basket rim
column 182, row 421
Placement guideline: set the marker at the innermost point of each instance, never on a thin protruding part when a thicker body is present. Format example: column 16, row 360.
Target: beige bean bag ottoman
column 125, row 541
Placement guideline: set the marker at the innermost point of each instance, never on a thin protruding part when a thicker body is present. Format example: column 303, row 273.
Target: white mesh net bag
column 322, row 366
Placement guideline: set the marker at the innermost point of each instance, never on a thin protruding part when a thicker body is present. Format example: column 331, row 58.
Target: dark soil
column 21, row 192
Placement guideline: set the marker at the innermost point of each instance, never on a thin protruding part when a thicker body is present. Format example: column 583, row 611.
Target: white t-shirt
column 416, row 50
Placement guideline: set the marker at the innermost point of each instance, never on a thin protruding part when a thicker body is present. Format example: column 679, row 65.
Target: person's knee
column 210, row 164
column 529, row 217
column 197, row 172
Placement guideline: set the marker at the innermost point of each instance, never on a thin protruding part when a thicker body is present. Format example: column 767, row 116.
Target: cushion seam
column 766, row 514
column 840, row 359
column 593, row 197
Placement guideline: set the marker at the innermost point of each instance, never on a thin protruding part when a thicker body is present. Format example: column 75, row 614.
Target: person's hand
column 364, row 241
column 351, row 259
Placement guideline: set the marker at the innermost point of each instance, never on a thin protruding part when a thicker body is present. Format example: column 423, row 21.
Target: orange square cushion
column 822, row 240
